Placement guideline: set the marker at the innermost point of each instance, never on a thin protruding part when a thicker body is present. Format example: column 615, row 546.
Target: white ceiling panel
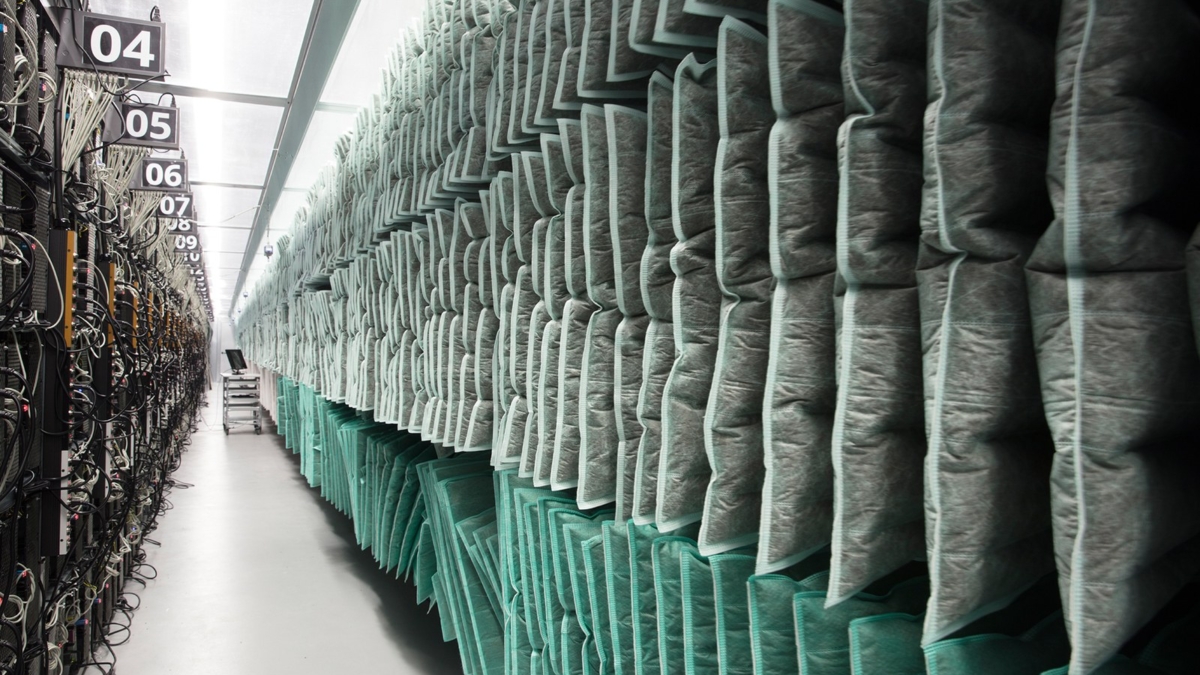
column 225, row 206
column 358, row 71
column 227, row 142
column 239, row 46
column 317, row 150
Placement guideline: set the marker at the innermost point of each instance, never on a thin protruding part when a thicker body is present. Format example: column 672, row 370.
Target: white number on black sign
column 162, row 174
column 176, row 206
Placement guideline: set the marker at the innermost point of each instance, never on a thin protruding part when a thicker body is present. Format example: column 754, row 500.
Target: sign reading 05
column 112, row 44
column 151, row 126
column 161, row 174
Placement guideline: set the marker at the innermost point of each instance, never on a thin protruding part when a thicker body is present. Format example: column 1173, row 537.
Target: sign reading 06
column 161, row 174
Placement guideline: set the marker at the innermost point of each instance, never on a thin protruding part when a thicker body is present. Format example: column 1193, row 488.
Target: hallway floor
column 257, row 574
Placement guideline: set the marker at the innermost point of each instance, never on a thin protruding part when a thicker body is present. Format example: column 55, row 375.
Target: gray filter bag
column 598, row 435
column 640, row 35
column 1115, row 343
column 520, row 74
column 566, row 96
column 575, row 316
column 878, row 428
column 625, row 63
column 989, row 450
column 593, row 79
column 657, row 282
column 673, row 26
column 805, row 51
column 627, row 224
column 733, row 419
column 537, row 45
column 554, row 294
column 683, row 470
column 556, row 47
column 753, row 10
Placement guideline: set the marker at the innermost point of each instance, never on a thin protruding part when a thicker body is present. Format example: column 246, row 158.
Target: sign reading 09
column 113, row 44
column 162, row 174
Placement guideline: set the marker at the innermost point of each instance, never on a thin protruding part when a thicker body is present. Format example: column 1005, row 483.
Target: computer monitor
column 236, row 361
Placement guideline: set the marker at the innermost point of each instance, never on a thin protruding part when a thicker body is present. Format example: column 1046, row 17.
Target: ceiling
column 239, row 71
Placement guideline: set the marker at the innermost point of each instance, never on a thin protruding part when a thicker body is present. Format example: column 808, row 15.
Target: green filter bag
column 461, row 497
column 426, row 563
column 618, row 580
column 552, row 611
column 822, row 635
column 528, row 581
column 411, row 533
column 699, row 614
column 405, row 451
column 579, row 653
column 445, row 499
column 506, row 483
column 404, row 533
column 645, row 609
column 772, row 619
column 486, row 541
column 730, row 573
column 669, row 555
column 448, row 630
column 1042, row 647
column 466, row 531
column 595, row 591
column 886, row 644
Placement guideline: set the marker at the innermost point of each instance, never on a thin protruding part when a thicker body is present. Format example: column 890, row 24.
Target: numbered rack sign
column 194, row 259
column 162, row 174
column 112, row 44
column 180, row 206
column 150, row 126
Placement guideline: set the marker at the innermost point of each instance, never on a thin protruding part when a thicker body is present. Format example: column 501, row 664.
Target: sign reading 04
column 161, row 174
column 112, row 44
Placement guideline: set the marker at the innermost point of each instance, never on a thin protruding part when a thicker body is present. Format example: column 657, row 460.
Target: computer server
column 103, row 343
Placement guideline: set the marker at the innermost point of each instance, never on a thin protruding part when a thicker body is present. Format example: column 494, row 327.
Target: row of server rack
column 103, row 341
column 765, row 336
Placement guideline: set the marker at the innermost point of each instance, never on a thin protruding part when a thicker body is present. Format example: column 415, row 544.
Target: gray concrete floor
column 259, row 575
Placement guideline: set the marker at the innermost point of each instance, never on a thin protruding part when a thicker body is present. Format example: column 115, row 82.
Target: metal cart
column 242, row 403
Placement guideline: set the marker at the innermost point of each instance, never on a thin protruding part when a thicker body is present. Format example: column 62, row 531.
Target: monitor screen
column 236, row 360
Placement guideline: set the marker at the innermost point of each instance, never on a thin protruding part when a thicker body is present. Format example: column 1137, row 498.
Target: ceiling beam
column 199, row 92
column 238, row 186
column 327, row 27
column 155, row 87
